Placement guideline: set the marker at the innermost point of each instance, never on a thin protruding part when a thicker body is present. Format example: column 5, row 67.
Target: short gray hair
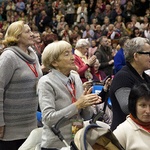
column 134, row 45
column 82, row 43
column 53, row 51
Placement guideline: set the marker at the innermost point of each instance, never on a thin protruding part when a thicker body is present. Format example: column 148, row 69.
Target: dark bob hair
column 138, row 91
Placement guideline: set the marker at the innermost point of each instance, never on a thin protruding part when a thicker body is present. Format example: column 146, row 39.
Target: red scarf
column 144, row 125
column 98, row 76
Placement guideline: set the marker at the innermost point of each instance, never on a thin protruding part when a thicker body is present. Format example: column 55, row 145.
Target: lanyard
column 72, row 92
column 98, row 75
column 33, row 68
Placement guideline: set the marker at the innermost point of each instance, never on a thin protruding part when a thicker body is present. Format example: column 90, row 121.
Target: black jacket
column 104, row 55
column 126, row 77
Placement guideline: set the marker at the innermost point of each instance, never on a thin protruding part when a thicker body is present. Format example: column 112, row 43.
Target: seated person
column 134, row 132
column 98, row 75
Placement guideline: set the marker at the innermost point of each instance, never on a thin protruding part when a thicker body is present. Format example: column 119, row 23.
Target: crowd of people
column 71, row 20
column 73, row 44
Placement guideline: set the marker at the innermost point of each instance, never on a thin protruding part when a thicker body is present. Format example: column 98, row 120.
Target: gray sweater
column 18, row 99
column 55, row 102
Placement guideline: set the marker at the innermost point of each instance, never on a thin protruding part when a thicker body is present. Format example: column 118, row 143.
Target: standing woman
column 82, row 11
column 19, row 75
column 83, row 64
column 137, row 57
column 61, row 94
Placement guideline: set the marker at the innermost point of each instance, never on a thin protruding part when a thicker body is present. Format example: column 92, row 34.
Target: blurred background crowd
column 71, row 20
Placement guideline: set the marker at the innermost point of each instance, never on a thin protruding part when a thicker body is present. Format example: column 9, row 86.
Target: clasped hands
column 87, row 99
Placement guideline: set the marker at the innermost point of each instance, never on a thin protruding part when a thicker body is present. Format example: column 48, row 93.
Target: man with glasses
column 137, row 55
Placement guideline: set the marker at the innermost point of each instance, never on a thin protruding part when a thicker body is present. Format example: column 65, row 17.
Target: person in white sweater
column 134, row 133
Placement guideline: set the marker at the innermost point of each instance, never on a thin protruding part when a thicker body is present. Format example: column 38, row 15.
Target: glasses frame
column 144, row 53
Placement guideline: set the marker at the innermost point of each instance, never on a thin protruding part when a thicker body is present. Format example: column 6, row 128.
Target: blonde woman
column 20, row 71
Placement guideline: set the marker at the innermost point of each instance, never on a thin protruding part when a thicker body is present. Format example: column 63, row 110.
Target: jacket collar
column 20, row 53
column 136, row 73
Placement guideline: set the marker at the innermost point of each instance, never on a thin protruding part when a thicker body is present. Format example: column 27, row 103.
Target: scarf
column 88, row 75
column 83, row 57
column 144, row 125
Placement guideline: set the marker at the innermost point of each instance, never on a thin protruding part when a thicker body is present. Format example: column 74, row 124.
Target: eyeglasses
column 144, row 53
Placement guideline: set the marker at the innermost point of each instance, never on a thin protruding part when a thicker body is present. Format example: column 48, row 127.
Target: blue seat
column 97, row 89
column 39, row 116
column 109, row 102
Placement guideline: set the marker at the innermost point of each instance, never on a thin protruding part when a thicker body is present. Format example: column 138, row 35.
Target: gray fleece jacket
column 18, row 99
column 55, row 102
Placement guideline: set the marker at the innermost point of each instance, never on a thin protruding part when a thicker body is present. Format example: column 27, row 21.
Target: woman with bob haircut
column 20, row 71
column 138, row 121
column 83, row 64
column 61, row 94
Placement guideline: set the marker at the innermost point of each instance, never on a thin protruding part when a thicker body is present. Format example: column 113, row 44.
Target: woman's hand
column 87, row 99
column 107, row 84
column 92, row 60
column 87, row 85
column 1, row 131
